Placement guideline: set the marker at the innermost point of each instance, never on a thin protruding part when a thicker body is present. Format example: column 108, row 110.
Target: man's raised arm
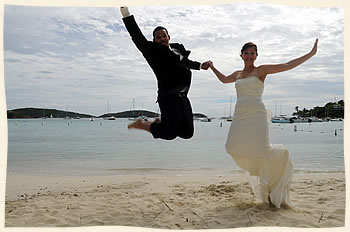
column 131, row 26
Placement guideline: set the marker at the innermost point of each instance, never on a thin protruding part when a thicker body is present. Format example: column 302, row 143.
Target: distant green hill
column 131, row 114
column 139, row 113
column 199, row 115
column 41, row 112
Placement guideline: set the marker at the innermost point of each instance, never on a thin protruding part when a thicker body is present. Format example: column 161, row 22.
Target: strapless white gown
column 268, row 166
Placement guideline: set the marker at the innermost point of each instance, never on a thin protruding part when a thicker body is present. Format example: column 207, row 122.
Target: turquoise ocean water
column 101, row 147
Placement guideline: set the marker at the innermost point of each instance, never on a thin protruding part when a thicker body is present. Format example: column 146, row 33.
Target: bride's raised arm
column 223, row 78
column 276, row 68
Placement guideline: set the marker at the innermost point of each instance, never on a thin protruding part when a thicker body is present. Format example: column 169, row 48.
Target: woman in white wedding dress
column 268, row 166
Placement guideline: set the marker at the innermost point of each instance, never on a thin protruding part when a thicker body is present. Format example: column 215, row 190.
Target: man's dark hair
column 158, row 29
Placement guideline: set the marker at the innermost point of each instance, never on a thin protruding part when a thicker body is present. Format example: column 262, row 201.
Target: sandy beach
column 169, row 202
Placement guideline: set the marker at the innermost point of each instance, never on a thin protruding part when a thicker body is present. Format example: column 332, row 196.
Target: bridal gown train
column 268, row 166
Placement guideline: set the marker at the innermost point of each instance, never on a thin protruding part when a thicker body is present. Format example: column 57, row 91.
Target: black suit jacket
column 169, row 70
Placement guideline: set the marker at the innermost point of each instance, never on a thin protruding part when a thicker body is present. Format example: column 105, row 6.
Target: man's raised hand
column 124, row 11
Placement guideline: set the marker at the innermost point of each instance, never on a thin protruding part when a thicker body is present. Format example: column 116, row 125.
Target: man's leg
column 167, row 128
column 186, row 127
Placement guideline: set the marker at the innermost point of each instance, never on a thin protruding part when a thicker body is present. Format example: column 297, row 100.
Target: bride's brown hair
column 249, row 45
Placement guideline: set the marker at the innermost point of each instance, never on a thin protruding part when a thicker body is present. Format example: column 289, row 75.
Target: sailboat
column 132, row 108
column 110, row 117
column 282, row 118
column 144, row 117
column 135, row 117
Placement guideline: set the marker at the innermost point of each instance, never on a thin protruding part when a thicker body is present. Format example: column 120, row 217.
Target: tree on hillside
column 329, row 110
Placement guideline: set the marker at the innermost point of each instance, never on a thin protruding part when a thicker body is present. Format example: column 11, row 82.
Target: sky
column 82, row 58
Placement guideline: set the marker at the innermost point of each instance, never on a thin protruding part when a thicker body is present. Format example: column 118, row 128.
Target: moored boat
column 281, row 119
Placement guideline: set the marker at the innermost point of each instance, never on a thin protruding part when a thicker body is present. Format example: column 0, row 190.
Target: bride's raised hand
column 314, row 49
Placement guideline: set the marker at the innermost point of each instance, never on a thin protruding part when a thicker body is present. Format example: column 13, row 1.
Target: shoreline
column 151, row 171
column 169, row 202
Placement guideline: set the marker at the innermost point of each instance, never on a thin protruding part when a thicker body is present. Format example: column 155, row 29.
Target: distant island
column 54, row 113
column 329, row 110
column 43, row 113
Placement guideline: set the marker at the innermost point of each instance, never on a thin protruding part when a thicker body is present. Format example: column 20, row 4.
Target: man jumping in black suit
column 170, row 64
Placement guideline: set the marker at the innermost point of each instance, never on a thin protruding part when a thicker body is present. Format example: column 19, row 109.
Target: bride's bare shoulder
column 262, row 72
column 237, row 74
column 233, row 76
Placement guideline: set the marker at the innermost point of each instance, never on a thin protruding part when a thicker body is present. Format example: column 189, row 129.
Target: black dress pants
column 176, row 118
